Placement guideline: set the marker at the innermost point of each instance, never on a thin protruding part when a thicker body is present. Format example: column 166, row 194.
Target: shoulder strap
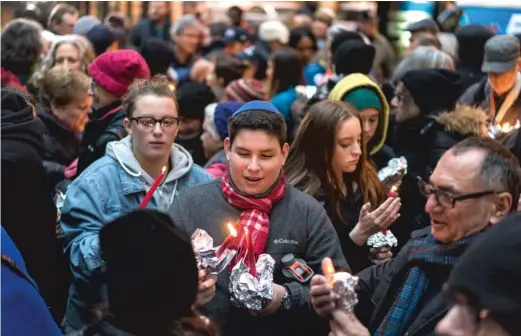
column 12, row 265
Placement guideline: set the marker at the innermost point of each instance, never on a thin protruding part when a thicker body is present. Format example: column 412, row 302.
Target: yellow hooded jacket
column 355, row 81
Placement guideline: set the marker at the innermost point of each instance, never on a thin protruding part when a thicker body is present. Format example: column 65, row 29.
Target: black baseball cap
column 236, row 34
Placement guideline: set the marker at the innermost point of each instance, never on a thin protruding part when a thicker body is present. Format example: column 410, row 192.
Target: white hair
column 423, row 57
column 183, row 22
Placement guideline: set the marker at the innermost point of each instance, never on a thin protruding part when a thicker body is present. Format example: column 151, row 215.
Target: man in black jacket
column 28, row 210
column 474, row 186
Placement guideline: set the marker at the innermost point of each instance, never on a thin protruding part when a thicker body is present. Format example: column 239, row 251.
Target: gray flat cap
column 501, row 54
column 425, row 24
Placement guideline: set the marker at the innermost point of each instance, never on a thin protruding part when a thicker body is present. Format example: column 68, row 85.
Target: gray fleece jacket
column 298, row 225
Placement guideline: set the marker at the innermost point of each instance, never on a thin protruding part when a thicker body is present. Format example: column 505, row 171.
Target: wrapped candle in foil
column 392, row 175
column 344, row 285
column 498, row 131
column 251, row 292
column 381, row 239
column 206, row 253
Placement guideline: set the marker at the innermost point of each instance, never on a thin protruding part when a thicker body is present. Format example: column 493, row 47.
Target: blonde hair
column 61, row 85
column 86, row 52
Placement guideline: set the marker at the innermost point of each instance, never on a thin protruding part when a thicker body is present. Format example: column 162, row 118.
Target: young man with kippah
column 281, row 219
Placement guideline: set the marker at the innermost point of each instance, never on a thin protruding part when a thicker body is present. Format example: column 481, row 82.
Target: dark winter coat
column 28, row 210
column 61, row 147
column 104, row 126
column 146, row 29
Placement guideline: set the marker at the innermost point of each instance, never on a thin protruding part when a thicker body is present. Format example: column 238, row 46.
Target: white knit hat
column 271, row 31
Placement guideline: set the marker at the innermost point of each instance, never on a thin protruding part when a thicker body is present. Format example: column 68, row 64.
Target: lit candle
column 229, row 240
column 392, row 191
column 152, row 189
column 328, row 269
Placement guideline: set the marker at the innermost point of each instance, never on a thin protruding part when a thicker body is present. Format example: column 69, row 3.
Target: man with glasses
column 474, row 185
column 117, row 184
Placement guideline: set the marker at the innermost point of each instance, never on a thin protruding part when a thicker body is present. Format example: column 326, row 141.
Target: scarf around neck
column 423, row 251
column 254, row 218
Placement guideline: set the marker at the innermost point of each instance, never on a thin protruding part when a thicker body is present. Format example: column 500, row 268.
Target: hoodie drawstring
column 131, row 173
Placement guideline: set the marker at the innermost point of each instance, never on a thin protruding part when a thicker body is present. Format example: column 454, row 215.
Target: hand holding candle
column 497, row 131
column 344, row 285
column 152, row 189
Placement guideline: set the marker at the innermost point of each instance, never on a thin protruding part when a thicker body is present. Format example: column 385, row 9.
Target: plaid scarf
column 423, row 251
column 254, row 216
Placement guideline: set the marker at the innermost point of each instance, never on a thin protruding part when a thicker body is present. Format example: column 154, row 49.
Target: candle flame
column 232, row 230
column 394, row 188
column 163, row 170
column 171, row 86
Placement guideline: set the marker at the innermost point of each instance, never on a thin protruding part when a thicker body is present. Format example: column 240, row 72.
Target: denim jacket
column 104, row 191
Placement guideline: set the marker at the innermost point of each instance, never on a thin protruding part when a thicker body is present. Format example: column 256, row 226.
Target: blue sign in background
column 420, row 6
column 498, row 18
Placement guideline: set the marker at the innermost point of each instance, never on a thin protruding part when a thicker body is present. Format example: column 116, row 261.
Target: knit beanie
column 245, row 90
column 223, row 112
column 363, row 98
column 354, row 56
column 101, row 38
column 192, row 98
column 85, row 24
column 116, row 70
column 274, row 30
column 490, row 273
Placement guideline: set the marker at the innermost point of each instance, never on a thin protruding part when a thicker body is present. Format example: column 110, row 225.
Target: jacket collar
column 129, row 184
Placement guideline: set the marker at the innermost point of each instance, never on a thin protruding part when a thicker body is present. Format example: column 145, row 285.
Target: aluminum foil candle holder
column 248, row 291
column 381, row 239
column 498, row 131
column 206, row 254
column 344, row 286
column 391, row 176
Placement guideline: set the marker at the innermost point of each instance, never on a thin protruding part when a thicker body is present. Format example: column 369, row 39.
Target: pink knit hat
column 116, row 70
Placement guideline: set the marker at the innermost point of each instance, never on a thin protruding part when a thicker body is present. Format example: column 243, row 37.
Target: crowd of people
column 118, row 143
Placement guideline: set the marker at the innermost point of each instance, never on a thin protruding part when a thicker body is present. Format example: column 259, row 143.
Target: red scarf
column 254, row 218
column 10, row 79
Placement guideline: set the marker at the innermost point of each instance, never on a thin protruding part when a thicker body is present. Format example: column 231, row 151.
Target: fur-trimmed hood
column 464, row 120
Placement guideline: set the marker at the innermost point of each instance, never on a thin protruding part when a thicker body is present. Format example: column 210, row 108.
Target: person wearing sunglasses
column 474, row 185
column 117, row 184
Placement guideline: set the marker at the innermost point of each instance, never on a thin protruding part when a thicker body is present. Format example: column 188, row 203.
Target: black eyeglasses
column 447, row 199
column 148, row 123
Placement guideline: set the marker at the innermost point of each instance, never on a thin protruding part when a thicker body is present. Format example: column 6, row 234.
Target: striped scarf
column 254, row 217
column 422, row 251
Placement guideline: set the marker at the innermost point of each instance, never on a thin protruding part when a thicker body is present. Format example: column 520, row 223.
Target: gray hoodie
column 181, row 163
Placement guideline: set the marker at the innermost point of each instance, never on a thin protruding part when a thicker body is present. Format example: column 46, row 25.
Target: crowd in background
column 287, row 127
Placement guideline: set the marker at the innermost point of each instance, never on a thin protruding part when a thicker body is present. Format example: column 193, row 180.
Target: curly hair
column 84, row 47
column 21, row 45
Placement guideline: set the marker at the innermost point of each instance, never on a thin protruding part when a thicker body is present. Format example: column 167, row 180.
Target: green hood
column 355, row 81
